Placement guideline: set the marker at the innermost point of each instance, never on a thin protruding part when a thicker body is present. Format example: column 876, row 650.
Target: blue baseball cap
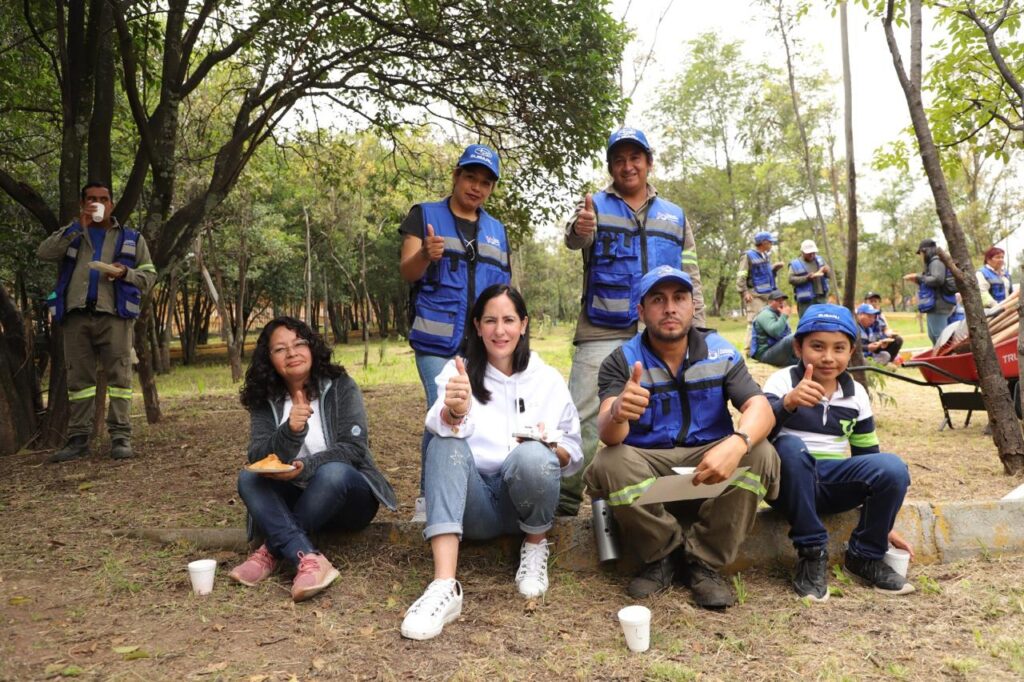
column 867, row 309
column 480, row 155
column 826, row 317
column 627, row 134
column 765, row 237
column 663, row 273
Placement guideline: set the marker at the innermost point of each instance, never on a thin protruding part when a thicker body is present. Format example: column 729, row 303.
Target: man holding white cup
column 104, row 270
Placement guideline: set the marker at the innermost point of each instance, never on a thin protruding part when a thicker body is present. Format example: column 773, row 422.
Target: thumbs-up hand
column 433, row 245
column 458, row 392
column 633, row 401
column 300, row 413
column 807, row 393
column 586, row 219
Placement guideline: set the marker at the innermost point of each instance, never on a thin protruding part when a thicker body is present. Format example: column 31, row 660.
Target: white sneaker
column 532, row 576
column 440, row 604
column 419, row 513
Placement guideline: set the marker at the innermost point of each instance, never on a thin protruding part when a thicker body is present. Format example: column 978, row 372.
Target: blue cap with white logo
column 826, row 317
column 480, row 155
column 627, row 134
column 765, row 237
column 867, row 309
column 663, row 273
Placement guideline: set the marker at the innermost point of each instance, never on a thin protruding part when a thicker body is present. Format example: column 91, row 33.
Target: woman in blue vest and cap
column 452, row 249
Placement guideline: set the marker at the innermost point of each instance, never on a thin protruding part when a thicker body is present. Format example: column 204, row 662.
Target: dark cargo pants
column 92, row 337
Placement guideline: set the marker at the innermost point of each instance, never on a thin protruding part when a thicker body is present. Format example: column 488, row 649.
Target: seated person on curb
column 308, row 412
column 873, row 344
column 819, row 410
column 480, row 480
column 770, row 339
column 882, row 329
column 664, row 401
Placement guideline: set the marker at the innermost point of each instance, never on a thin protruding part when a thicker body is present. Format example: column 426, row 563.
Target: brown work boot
column 709, row 587
column 121, row 448
column 653, row 578
column 77, row 447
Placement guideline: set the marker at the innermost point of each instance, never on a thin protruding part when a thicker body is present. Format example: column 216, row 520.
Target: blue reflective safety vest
column 760, row 276
column 996, row 283
column 443, row 297
column 683, row 413
column 805, row 292
column 755, row 338
column 127, row 297
column 926, row 294
column 623, row 251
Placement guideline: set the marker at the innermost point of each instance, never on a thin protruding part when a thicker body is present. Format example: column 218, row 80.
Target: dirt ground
column 77, row 601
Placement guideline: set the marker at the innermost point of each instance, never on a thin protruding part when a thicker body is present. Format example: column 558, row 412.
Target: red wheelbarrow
column 940, row 370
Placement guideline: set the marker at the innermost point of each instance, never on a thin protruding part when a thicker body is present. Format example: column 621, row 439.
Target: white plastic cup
column 898, row 560
column 636, row 626
column 201, row 574
column 98, row 211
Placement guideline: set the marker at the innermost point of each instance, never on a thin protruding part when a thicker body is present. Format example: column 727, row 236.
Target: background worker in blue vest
column 755, row 278
column 994, row 283
column 664, row 404
column 771, row 341
column 881, row 327
column 624, row 231
column 809, row 276
column 936, row 290
column 96, row 310
column 452, row 249
column 873, row 343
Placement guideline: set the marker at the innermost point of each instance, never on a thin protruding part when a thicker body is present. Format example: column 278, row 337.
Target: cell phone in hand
column 533, row 433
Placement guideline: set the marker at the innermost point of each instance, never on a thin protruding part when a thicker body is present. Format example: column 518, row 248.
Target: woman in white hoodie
column 481, row 479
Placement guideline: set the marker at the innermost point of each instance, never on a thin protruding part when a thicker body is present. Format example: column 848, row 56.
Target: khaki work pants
column 92, row 337
column 619, row 474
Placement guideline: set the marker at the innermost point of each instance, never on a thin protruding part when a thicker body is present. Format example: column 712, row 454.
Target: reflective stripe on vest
column 623, row 250
column 443, row 297
column 127, row 296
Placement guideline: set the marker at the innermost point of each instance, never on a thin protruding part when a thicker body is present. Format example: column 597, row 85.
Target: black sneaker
column 77, row 447
column 121, row 448
column 878, row 574
column 709, row 587
column 654, row 578
column 811, row 578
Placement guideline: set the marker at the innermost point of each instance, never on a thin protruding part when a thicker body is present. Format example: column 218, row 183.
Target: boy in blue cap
column 821, row 414
column 452, row 250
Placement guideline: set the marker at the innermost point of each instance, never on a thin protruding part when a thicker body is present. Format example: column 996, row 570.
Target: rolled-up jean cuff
column 443, row 529
column 535, row 529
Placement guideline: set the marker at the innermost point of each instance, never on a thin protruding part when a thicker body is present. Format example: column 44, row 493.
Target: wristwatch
column 744, row 435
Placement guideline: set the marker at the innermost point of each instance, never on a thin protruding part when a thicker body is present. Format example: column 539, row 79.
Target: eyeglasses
column 283, row 351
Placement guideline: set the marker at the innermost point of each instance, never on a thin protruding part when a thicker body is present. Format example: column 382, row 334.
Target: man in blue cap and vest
column 755, row 277
column 624, row 231
column 665, row 398
column 104, row 271
column 452, row 249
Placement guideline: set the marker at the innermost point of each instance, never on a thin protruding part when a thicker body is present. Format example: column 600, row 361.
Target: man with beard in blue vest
column 452, row 249
column 665, row 398
column 623, row 231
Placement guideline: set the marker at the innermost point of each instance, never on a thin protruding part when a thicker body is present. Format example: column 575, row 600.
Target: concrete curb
column 939, row 533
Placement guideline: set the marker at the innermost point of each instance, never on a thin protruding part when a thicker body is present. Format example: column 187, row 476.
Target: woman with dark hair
column 993, row 281
column 505, row 430
column 306, row 410
column 936, row 290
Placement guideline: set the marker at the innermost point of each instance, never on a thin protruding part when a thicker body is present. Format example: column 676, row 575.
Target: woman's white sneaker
column 440, row 604
column 532, row 576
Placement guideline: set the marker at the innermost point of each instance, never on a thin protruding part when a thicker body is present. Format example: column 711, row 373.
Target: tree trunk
column 850, row 288
column 1006, row 429
column 147, row 378
column 17, row 409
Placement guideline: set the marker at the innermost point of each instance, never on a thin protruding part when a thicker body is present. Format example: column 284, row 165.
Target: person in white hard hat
column 809, row 277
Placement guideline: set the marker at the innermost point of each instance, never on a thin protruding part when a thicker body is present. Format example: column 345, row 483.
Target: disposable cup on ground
column 201, row 574
column 898, row 560
column 636, row 626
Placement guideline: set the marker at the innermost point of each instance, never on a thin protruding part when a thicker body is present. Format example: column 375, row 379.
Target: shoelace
column 435, row 598
column 263, row 557
column 307, row 563
column 532, row 561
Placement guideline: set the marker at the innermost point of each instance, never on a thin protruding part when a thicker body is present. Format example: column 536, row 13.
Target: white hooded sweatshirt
column 537, row 395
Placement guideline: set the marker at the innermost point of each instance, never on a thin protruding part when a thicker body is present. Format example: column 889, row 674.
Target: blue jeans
column 936, row 323
column 521, row 496
column 586, row 362
column 338, row 497
column 810, row 487
column 429, row 366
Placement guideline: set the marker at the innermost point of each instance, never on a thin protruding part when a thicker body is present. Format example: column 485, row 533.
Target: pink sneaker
column 314, row 574
column 256, row 568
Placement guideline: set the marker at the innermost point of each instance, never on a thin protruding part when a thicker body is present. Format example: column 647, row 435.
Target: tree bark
column 17, row 414
column 147, row 377
column 1006, row 429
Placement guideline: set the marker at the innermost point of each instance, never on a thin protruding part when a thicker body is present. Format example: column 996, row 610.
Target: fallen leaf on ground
column 318, row 663
column 125, row 649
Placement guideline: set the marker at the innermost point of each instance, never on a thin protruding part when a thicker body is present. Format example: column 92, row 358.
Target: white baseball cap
column 808, row 246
